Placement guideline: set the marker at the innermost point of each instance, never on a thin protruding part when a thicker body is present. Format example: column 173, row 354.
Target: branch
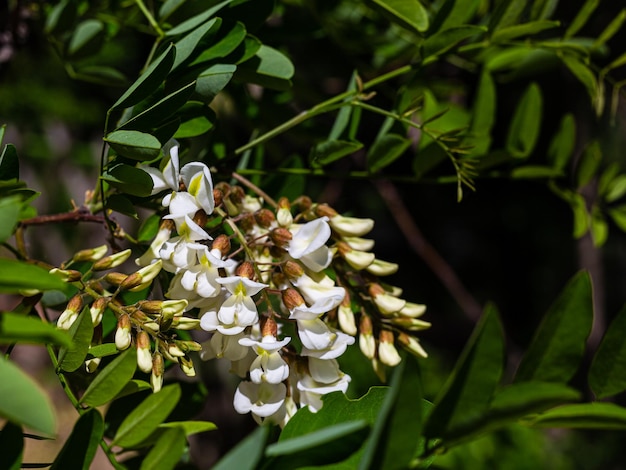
column 79, row 215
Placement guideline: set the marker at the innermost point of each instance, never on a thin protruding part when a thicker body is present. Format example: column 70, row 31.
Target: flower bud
column 92, row 254
column 292, row 298
column 412, row 345
column 174, row 351
column 358, row 243
column 144, row 356
column 158, row 368
column 187, row 366
column 245, row 269
column 357, row 259
column 387, row 352
column 280, row 236
column 141, row 279
column 97, row 309
column 70, row 314
column 268, row 327
column 367, row 343
column 324, row 210
column 386, row 303
column 292, row 270
column 412, row 310
column 91, row 365
column 265, row 218
column 382, row 268
column 412, row 324
column 123, row 333
column 185, row 323
column 283, row 213
column 350, row 226
column 67, row 275
column 221, row 243
column 218, row 197
column 112, row 261
column 345, row 316
column 115, row 279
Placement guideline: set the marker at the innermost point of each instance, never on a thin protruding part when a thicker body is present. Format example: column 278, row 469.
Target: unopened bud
column 346, row 319
column 185, row 323
column 200, row 218
column 324, row 210
column 292, row 298
column 386, row 303
column 221, row 243
column 158, row 368
column 367, row 342
column 123, row 333
column 115, row 279
column 283, row 213
column 218, row 197
column 412, row 324
column 187, row 366
column 357, row 259
column 245, row 269
column 141, row 279
column 412, row 345
column 413, row 310
column 351, row 226
column 97, row 309
column 280, row 236
column 144, row 357
column 70, row 314
column 174, row 350
column 292, row 269
column 387, row 352
column 303, row 203
column 112, row 261
column 92, row 254
column 268, row 327
column 265, row 218
column 67, row 275
column 382, row 268
column 91, row 365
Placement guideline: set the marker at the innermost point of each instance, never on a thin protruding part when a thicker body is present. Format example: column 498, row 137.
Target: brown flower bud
column 245, row 269
column 221, row 243
column 237, row 194
column 218, row 197
column 292, row 269
column 292, row 298
column 265, row 218
column 115, row 279
column 281, row 236
column 200, row 218
column 325, row 210
column 268, row 327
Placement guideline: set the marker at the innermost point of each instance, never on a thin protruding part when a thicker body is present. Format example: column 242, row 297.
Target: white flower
column 180, row 204
column 351, row 226
column 314, row 291
column 197, row 179
column 321, row 341
column 308, row 244
column 167, row 176
column 223, row 346
column 382, row 268
column 312, row 391
column 152, row 253
column 262, row 399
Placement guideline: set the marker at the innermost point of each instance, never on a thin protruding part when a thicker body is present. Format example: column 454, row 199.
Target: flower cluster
column 283, row 288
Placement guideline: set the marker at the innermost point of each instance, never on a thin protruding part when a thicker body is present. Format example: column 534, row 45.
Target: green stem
column 150, row 18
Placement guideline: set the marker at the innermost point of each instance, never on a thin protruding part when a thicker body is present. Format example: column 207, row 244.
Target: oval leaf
column 17, row 275
column 147, row 417
column 80, row 448
column 81, row 333
column 129, row 179
column 166, row 452
column 526, row 123
column 134, row 144
column 583, row 416
column 409, row 14
column 16, row 328
column 87, row 39
column 111, row 380
column 607, row 374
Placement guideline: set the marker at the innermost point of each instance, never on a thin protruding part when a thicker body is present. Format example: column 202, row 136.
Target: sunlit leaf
column 111, row 379
column 23, row 401
column 213, row 79
column 269, row 67
column 10, row 208
column 18, row 275
column 559, row 342
column 191, row 427
column 195, row 21
column 80, row 448
column 166, row 452
column 147, row 417
column 524, row 29
column 583, row 73
column 581, row 17
column 186, row 46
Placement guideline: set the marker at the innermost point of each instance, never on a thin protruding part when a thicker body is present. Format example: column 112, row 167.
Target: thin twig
column 255, row 188
column 78, row 215
column 426, row 251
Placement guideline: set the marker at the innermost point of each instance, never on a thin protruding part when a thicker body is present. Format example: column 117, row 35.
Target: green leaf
column 17, row 275
column 581, row 18
column 191, row 427
column 247, row 454
column 525, row 29
column 129, row 180
column 583, row 416
column 10, row 208
column 23, row 401
column 148, row 81
column 61, row 17
column 111, row 380
column 535, row 171
column 385, row 150
column 121, row 204
column 9, row 164
column 466, row 396
column 483, row 114
column 526, row 123
column 562, row 144
column 149, row 228
column 16, row 328
column 559, row 342
column 134, row 144
column 614, row 26
column 269, row 68
column 197, row 119
column 399, row 436
column 618, row 214
column 454, row 13
column 81, row 333
column 441, row 42
column 543, row 9
column 583, row 73
column 186, row 46
column 598, row 226
column 159, row 112
column 506, row 13
column 607, row 373
column 11, row 446
column 343, row 116
column 616, row 189
column 409, row 14
column 147, row 417
column 223, row 46
column 428, row 158
column 332, row 150
column 87, row 39
column 101, row 75
column 195, row 21
column 134, row 386
column 103, row 350
column 80, row 448
column 588, row 164
column 168, row 7
column 166, row 452
column 213, row 80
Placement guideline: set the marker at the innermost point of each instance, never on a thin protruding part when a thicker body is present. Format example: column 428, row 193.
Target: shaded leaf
column 247, row 454
column 87, row 39
column 467, row 394
column 61, row 17
column 147, row 417
column 10, row 208
column 11, row 446
column 428, row 158
column 213, row 79
column 191, row 427
column 121, row 204
column 618, row 214
column 81, row 333
column 535, row 171
column 559, row 342
column 80, row 448
column 186, row 46
column 268, row 67
column 613, row 27
column 134, row 144
column 446, row 39
column 223, row 46
column 583, row 73
column 332, row 150
column 149, row 80
column 9, row 164
column 23, row 401
column 129, row 179
column 616, row 188
column 526, row 123
column 112, row 379
column 409, row 14
column 583, row 416
column 385, row 150
column 524, row 29
column 562, row 144
column 16, row 328
column 581, row 17
column 588, row 164
column 166, row 452
column 607, row 374
column 195, row 21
